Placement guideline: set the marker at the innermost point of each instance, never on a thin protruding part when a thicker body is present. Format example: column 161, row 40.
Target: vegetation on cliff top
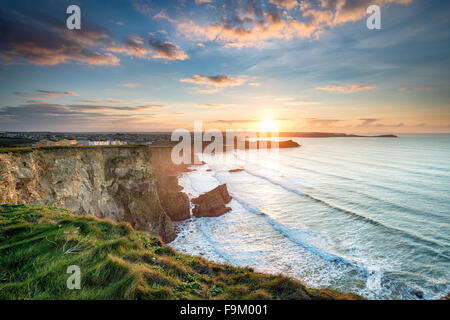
column 31, row 148
column 38, row 243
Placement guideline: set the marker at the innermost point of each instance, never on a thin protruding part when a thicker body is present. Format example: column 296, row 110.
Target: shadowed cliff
column 117, row 183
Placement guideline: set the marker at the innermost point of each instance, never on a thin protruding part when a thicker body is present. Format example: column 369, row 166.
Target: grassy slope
column 38, row 243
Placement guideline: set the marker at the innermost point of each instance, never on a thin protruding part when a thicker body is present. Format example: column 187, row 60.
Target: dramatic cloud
column 214, row 83
column 351, row 88
column 36, row 38
column 344, row 11
column 247, row 23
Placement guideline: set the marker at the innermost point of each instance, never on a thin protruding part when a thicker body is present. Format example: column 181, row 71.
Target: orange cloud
column 251, row 25
column 351, row 88
column 134, row 46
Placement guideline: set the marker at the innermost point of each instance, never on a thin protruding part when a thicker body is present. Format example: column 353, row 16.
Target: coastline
column 213, row 237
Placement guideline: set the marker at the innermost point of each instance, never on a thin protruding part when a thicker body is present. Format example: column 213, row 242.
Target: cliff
column 174, row 202
column 117, row 183
column 117, row 262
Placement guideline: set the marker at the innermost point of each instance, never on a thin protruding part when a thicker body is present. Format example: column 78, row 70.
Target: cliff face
column 117, row 183
column 174, row 202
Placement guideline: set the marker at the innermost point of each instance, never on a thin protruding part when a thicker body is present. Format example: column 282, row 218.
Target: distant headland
column 12, row 139
column 331, row 135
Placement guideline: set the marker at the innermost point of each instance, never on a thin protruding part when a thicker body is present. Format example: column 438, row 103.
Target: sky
column 301, row 65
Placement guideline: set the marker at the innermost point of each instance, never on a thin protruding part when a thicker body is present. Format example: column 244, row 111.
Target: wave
column 368, row 183
column 356, row 216
column 214, row 245
column 289, row 235
column 439, row 171
column 393, row 205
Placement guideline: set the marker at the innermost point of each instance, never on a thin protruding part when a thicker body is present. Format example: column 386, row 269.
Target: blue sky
column 143, row 65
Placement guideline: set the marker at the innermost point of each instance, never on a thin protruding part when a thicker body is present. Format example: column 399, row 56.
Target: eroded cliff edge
column 117, row 183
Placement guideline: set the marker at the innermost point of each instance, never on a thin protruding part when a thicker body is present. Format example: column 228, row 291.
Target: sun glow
column 268, row 125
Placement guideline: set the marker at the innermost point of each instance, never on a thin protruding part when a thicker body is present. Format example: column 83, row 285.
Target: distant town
column 79, row 139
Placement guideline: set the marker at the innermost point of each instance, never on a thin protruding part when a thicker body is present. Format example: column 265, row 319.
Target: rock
column 418, row 294
column 176, row 205
column 212, row 203
column 208, row 170
column 235, row 170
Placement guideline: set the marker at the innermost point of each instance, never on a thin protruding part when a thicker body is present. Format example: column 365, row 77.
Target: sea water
column 363, row 215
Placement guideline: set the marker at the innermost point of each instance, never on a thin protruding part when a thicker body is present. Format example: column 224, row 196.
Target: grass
column 37, row 244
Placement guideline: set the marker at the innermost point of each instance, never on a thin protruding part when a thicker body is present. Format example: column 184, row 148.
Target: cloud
column 143, row 7
column 214, row 83
column 40, row 94
column 322, row 122
column 368, row 121
column 166, row 50
column 135, row 46
column 344, row 11
column 162, row 15
column 214, row 105
column 209, row 105
column 247, row 23
column 351, row 88
column 234, row 121
column 63, row 118
column 45, row 115
column 294, row 102
column 129, row 85
column 36, row 38
column 373, row 122
column 88, row 108
column 288, row 4
column 197, row 2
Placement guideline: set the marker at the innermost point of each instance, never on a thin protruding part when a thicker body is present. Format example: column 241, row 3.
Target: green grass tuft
column 38, row 243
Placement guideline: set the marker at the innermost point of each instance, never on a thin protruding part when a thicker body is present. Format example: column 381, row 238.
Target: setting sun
column 268, row 125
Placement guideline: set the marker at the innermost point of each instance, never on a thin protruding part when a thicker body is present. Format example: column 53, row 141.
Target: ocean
column 364, row 215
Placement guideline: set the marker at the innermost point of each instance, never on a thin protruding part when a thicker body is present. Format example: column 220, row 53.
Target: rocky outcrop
column 235, row 170
column 117, row 183
column 173, row 200
column 212, row 203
